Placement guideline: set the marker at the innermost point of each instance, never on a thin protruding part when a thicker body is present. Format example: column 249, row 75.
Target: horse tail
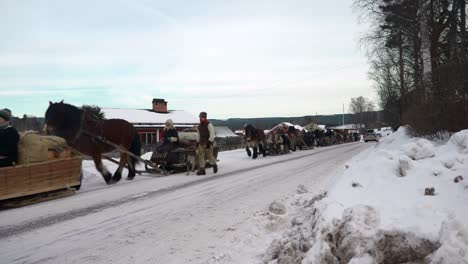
column 135, row 148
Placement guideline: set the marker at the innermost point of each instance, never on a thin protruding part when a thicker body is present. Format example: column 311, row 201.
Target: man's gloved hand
column 173, row 139
column 208, row 144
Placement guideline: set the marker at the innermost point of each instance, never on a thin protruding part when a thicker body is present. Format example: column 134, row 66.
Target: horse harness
column 95, row 137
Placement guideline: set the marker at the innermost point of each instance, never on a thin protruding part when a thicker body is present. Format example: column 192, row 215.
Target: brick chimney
column 159, row 105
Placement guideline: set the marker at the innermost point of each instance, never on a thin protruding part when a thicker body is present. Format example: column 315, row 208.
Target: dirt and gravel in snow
column 221, row 218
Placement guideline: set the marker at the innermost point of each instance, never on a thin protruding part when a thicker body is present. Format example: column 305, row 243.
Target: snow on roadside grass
column 378, row 211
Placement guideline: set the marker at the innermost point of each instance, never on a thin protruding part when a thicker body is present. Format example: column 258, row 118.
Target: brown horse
column 87, row 134
column 254, row 138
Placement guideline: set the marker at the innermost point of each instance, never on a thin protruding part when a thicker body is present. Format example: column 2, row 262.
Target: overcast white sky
column 242, row 58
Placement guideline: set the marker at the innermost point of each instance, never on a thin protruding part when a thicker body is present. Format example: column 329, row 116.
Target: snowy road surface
column 174, row 219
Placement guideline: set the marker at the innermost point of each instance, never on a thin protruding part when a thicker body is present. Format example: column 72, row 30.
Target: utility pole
column 343, row 115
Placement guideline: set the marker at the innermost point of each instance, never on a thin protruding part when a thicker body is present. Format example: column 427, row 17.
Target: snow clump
column 421, row 149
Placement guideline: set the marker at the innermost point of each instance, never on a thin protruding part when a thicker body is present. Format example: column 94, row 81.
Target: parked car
column 371, row 136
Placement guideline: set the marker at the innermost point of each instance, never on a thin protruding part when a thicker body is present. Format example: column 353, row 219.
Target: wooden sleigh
column 40, row 181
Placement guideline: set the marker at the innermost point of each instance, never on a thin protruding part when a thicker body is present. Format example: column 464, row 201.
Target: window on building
column 148, row 137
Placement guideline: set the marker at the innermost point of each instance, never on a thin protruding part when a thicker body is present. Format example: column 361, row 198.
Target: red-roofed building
column 150, row 123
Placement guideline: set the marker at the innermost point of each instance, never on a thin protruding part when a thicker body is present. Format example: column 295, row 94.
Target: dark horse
column 254, row 138
column 88, row 134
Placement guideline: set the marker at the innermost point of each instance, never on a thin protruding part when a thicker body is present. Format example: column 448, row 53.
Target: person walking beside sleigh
column 205, row 140
column 9, row 139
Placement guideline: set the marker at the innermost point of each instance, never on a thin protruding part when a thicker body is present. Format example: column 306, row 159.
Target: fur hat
column 203, row 114
column 5, row 113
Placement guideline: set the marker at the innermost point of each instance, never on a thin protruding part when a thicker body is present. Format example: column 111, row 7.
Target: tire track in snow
column 13, row 230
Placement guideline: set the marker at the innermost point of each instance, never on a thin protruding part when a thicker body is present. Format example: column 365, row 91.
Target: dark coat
column 170, row 133
column 166, row 144
column 9, row 139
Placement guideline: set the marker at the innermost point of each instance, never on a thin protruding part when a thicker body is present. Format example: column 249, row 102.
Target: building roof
column 159, row 100
column 149, row 118
column 224, row 131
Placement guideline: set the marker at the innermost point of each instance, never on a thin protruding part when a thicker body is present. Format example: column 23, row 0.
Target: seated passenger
column 9, row 139
column 170, row 138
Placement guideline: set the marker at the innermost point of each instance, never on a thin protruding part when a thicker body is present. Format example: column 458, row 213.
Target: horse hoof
column 108, row 178
column 112, row 181
column 130, row 178
column 117, row 177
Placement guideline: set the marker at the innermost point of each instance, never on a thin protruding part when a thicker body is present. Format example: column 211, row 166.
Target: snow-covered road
column 174, row 219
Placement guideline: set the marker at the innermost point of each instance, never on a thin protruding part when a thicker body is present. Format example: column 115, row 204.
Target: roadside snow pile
column 421, row 149
column 378, row 211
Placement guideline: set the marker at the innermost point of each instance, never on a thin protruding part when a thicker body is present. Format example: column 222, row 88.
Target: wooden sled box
column 40, row 177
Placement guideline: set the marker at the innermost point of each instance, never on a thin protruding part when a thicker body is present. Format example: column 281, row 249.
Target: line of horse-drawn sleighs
column 287, row 137
column 50, row 166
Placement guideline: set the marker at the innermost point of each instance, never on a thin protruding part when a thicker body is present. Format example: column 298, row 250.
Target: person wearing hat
column 205, row 140
column 9, row 139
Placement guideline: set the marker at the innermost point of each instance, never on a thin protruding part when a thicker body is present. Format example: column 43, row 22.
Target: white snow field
column 377, row 212
column 222, row 218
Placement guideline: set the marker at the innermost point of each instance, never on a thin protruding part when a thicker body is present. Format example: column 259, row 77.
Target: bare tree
column 418, row 52
column 359, row 106
column 424, row 15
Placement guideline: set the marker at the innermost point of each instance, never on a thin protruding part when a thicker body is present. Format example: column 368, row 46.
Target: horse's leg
column 193, row 161
column 100, row 167
column 131, row 168
column 262, row 149
column 261, row 140
column 118, row 173
column 135, row 148
column 248, row 150
column 255, row 152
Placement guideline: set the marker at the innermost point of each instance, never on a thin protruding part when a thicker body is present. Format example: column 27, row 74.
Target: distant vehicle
column 371, row 136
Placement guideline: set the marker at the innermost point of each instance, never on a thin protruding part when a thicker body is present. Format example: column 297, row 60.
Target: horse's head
column 249, row 131
column 60, row 118
column 54, row 117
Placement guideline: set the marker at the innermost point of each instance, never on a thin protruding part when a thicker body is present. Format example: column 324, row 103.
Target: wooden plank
column 20, row 193
column 37, row 198
column 39, row 177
